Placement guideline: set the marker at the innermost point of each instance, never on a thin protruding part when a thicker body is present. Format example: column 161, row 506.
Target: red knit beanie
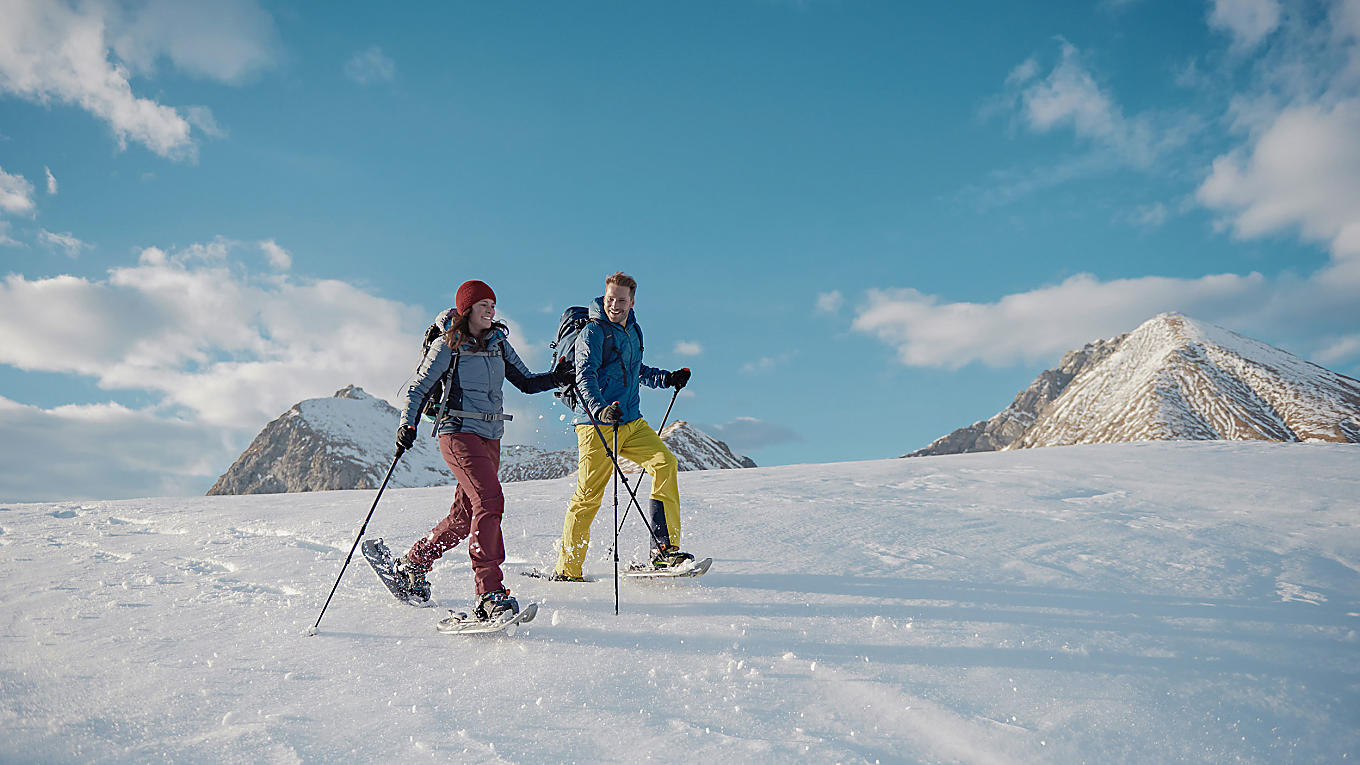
column 471, row 292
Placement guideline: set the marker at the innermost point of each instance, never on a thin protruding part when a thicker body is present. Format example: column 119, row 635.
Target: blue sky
column 861, row 224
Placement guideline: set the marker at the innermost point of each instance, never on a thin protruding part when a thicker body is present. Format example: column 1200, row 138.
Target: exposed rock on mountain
column 1173, row 378
column 694, row 450
column 1011, row 423
column 343, row 442
column 347, row 442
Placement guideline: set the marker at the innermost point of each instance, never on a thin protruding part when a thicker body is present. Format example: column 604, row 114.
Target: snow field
column 1134, row 602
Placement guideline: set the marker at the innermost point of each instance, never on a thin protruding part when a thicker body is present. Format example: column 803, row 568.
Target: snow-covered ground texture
column 1149, row 602
column 1177, row 378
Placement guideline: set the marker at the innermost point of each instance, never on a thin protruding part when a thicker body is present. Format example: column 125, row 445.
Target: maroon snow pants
column 476, row 511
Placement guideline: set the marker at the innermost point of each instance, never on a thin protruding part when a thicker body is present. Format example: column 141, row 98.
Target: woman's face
column 480, row 316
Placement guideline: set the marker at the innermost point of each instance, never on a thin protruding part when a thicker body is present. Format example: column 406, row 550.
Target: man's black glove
column 678, row 379
column 610, row 415
column 562, row 374
column 406, row 437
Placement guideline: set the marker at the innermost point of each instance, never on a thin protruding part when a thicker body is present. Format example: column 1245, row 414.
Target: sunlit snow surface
column 1137, row 602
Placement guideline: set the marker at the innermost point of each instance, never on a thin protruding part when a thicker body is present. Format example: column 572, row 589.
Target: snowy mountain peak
column 347, row 441
column 354, row 392
column 1172, row 378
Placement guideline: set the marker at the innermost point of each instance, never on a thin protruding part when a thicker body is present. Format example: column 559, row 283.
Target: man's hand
column 610, row 415
column 678, row 379
column 406, row 437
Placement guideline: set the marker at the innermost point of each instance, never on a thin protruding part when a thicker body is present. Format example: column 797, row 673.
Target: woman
column 474, row 358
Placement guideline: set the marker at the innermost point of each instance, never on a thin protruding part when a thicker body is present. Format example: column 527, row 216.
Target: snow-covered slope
column 1150, row 602
column 1173, row 378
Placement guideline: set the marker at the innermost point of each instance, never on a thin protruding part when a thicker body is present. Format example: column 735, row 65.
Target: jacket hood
column 596, row 311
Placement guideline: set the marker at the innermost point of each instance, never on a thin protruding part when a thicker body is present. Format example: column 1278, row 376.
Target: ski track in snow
column 1137, row 602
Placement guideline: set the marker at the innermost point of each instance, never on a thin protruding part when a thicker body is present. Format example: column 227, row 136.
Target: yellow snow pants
column 639, row 443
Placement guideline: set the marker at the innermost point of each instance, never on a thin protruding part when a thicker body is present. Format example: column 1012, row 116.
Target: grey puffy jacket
column 476, row 382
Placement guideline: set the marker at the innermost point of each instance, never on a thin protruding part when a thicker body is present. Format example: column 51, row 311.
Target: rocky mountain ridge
column 346, row 441
column 1173, row 378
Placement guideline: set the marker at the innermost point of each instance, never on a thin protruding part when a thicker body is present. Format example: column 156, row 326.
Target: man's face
column 618, row 301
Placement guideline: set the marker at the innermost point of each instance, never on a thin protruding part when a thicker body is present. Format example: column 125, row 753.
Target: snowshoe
column 495, row 606
column 413, row 574
column 670, row 557
column 396, row 581
column 690, row 568
column 458, row 622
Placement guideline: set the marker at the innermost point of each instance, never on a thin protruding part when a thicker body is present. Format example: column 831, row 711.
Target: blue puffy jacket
column 476, row 384
column 603, row 378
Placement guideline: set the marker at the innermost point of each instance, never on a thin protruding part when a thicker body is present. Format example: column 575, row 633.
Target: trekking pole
column 613, row 458
column 616, row 524
column 311, row 632
column 668, row 412
column 658, row 432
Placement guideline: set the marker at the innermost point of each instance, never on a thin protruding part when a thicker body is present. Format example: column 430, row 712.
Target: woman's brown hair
column 458, row 333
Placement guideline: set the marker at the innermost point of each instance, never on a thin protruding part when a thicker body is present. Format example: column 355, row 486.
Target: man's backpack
column 574, row 319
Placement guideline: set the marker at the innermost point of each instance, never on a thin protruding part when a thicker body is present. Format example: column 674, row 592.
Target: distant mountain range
column 347, row 441
column 1172, row 378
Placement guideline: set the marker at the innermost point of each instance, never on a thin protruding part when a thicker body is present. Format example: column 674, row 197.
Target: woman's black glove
column 678, row 379
column 406, row 437
column 562, row 374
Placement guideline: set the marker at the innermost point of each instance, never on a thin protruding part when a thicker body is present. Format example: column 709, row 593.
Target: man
column 609, row 368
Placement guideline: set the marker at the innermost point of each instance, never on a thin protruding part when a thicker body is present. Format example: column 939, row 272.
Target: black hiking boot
column 496, row 606
column 413, row 574
column 670, row 557
column 558, row 576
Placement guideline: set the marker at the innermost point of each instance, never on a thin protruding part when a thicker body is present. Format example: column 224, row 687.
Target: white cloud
column 278, row 257
column 749, row 433
column 51, row 180
column 1339, row 350
column 370, row 66
column 767, row 363
column 51, row 50
column 206, row 337
column 1247, row 21
column 1039, row 325
column 1303, row 170
column 64, row 453
column 1023, row 73
column 221, row 346
column 64, row 242
column 1070, row 97
column 202, row 118
column 1151, row 216
column 688, row 348
column 830, row 302
column 5, row 240
column 224, row 40
column 16, row 194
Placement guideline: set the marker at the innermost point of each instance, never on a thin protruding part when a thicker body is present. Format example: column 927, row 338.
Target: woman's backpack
column 433, row 400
